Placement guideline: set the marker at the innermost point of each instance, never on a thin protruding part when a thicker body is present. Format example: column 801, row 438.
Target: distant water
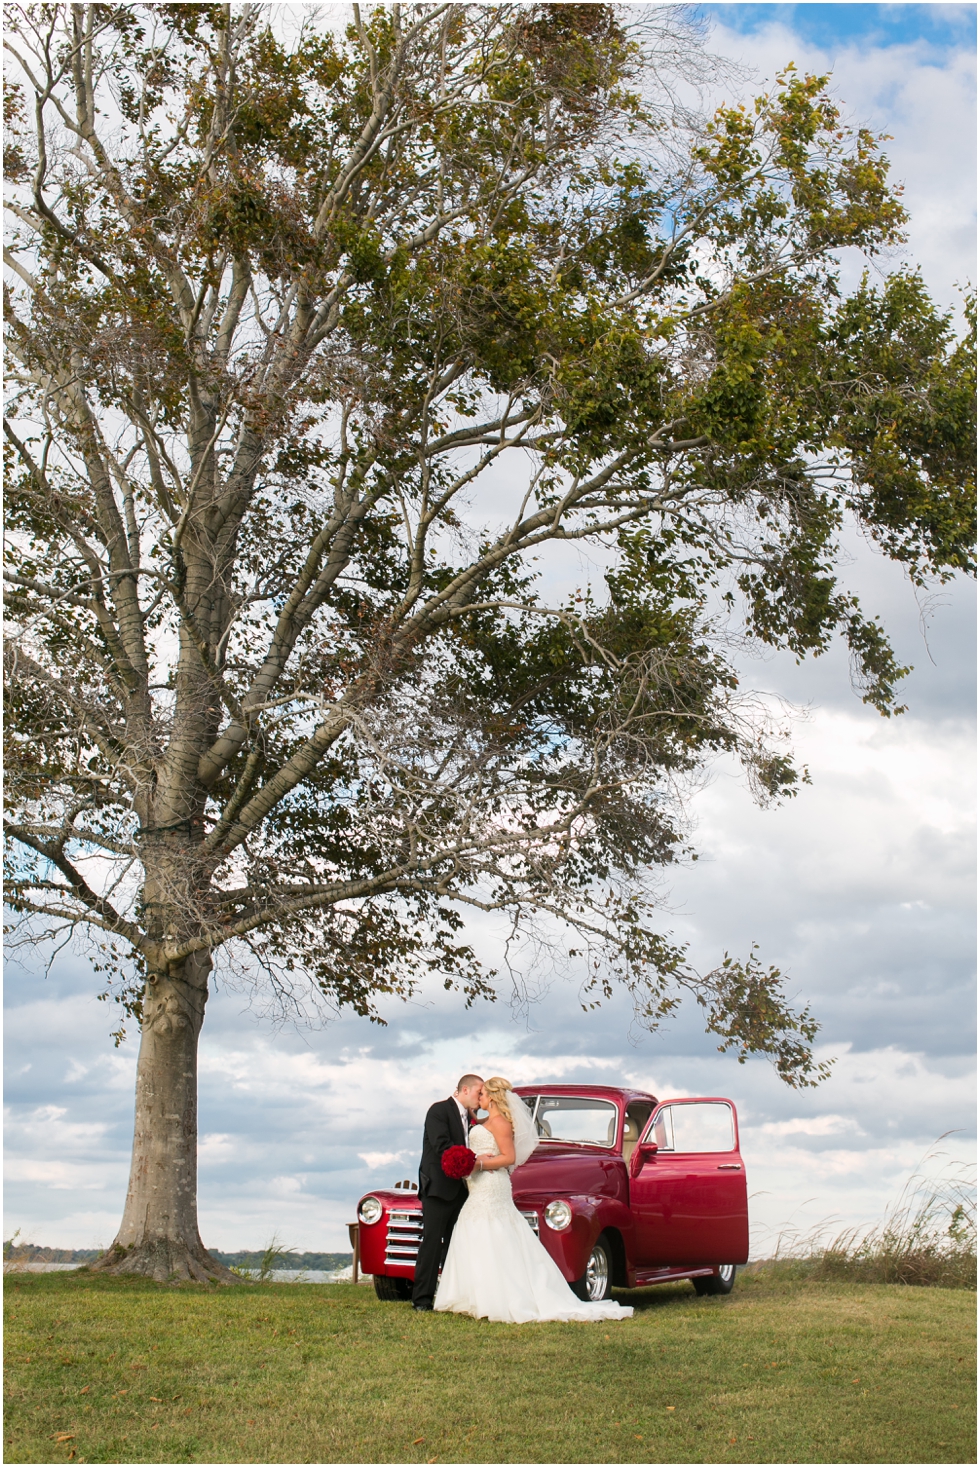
column 39, row 1267
column 311, row 1276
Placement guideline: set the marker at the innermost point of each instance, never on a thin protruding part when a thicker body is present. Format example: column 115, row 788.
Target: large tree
column 323, row 351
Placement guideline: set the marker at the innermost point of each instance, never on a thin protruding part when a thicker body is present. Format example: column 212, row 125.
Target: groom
column 447, row 1124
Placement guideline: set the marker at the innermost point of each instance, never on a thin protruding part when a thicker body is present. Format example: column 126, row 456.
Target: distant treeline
column 325, row 1262
column 29, row 1253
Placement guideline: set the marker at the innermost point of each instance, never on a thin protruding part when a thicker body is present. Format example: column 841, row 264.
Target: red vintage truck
column 624, row 1190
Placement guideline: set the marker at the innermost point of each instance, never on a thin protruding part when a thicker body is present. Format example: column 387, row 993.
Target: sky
column 860, row 890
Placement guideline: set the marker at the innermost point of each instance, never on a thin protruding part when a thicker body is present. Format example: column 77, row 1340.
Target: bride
column 496, row 1268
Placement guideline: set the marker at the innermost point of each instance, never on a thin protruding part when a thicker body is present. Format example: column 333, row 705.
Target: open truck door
column 687, row 1186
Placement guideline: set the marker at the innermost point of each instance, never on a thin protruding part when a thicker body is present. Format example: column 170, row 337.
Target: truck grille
column 405, row 1235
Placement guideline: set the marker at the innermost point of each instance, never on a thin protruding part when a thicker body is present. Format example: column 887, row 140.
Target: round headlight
column 370, row 1210
column 558, row 1215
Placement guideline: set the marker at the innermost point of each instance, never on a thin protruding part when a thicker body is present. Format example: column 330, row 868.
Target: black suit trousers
column 438, row 1220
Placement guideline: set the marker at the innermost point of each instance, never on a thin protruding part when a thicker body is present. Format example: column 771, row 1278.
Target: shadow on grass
column 658, row 1296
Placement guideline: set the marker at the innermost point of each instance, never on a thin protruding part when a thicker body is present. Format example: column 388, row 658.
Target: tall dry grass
column 928, row 1236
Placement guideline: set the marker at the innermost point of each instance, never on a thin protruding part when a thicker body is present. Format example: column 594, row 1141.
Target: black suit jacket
column 443, row 1128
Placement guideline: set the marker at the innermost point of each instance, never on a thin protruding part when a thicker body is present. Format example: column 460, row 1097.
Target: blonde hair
column 497, row 1089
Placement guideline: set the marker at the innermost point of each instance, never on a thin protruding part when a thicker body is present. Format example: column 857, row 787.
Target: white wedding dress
column 496, row 1268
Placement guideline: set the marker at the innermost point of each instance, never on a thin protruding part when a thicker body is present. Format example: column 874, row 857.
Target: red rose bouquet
column 458, row 1162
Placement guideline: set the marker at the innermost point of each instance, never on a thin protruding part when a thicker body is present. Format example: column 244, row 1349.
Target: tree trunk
column 159, row 1235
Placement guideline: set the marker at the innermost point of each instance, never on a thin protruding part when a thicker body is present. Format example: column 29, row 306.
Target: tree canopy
column 322, row 350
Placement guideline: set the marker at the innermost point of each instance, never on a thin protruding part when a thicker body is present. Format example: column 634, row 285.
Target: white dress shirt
column 464, row 1116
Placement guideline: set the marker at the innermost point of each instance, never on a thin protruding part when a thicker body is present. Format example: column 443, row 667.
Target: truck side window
column 703, row 1125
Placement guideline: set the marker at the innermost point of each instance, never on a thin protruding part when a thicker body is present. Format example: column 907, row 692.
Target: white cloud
column 285, row 1186
column 217, row 1148
column 889, row 816
column 376, row 1159
column 811, row 1126
column 61, row 1176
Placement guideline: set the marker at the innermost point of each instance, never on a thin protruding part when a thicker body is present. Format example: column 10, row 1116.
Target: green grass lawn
column 117, row 1370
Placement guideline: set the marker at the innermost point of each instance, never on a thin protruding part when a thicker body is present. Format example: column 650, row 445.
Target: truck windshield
column 576, row 1118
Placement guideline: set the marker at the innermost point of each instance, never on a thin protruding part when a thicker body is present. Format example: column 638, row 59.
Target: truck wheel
column 597, row 1280
column 721, row 1282
column 392, row 1290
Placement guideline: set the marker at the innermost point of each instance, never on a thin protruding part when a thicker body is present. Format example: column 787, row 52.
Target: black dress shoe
column 423, row 1308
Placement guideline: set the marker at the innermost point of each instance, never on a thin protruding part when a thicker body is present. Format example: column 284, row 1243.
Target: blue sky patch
column 942, row 26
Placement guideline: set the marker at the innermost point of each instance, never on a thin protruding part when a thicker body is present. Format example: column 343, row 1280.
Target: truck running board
column 664, row 1275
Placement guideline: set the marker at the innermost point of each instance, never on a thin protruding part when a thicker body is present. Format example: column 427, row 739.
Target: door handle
column 730, row 1166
